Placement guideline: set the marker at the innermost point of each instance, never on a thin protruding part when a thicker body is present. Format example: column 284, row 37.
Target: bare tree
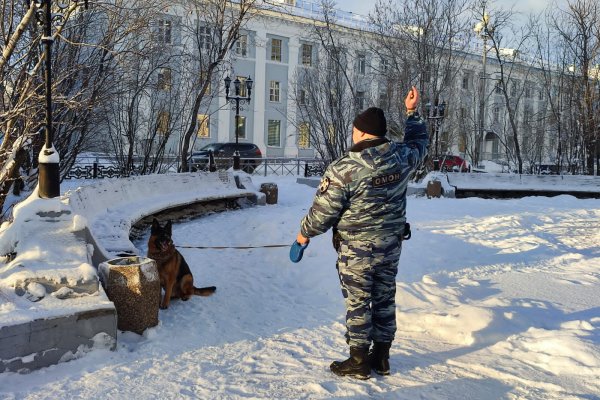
column 325, row 106
column 579, row 27
column 508, row 44
column 140, row 119
column 84, row 59
column 421, row 43
column 332, row 91
column 212, row 28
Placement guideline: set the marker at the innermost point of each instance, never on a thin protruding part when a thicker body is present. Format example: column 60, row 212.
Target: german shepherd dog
column 175, row 275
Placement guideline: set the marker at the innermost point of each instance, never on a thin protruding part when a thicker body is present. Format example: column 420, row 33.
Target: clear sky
column 365, row 6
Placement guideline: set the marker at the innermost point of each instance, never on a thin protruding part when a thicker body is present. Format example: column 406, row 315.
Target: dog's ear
column 169, row 228
column 155, row 226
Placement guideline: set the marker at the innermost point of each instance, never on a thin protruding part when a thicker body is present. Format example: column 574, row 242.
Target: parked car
column 451, row 163
column 250, row 156
column 547, row 169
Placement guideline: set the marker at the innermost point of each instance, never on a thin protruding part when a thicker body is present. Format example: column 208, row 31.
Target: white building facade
column 274, row 44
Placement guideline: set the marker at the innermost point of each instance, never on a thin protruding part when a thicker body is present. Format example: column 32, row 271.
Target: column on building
column 291, row 142
column 260, row 82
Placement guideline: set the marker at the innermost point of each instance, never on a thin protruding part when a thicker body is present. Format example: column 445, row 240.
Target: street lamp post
column 49, row 160
column 485, row 31
column 437, row 114
column 237, row 99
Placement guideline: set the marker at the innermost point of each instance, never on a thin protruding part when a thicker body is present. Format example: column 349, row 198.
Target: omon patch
column 383, row 180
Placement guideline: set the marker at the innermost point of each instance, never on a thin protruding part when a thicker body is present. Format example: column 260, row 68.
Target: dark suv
column 250, row 156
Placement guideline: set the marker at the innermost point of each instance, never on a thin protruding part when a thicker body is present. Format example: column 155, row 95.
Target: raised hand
column 412, row 99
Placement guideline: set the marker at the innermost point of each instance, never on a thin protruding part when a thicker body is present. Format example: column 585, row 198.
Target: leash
column 233, row 247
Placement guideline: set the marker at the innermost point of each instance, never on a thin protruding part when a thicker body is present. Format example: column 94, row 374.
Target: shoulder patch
column 324, row 185
column 388, row 179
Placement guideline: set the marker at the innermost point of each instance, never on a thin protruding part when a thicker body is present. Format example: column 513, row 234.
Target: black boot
column 357, row 366
column 379, row 357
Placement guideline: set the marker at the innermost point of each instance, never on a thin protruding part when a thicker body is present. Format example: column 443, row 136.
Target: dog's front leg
column 167, row 298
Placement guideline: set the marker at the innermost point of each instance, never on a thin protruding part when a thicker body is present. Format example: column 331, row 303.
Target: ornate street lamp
column 437, row 113
column 485, row 30
column 49, row 160
column 237, row 99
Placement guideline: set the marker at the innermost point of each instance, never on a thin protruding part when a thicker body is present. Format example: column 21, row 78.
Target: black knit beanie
column 371, row 121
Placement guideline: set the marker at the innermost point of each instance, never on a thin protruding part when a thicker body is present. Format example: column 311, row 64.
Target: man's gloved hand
column 296, row 251
column 298, row 247
column 412, row 100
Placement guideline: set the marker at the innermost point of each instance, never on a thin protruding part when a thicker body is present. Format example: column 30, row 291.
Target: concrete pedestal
column 434, row 189
column 133, row 285
column 271, row 192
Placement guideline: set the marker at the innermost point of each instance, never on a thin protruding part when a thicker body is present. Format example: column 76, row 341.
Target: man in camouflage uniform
column 362, row 196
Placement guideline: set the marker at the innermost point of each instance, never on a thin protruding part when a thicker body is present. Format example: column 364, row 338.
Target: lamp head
column 442, row 109
column 237, row 84
column 249, row 83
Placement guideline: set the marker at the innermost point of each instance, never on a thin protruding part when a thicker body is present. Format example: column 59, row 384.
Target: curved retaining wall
column 55, row 242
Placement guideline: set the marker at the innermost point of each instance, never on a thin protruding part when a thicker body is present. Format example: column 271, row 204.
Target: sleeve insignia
column 324, row 185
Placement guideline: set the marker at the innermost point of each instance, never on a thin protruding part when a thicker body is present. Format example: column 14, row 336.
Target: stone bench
column 112, row 207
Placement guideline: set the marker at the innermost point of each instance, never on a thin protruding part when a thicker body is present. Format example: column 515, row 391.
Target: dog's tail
column 204, row 291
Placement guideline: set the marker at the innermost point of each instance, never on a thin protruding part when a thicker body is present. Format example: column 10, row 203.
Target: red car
column 454, row 164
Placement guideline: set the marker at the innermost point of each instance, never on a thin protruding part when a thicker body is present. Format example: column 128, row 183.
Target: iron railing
column 107, row 167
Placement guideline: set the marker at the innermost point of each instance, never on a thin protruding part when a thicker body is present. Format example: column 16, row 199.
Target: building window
column 274, row 91
column 241, row 46
column 304, row 99
column 540, row 94
column 274, row 133
column 162, row 122
column 526, row 114
column 307, row 53
column 528, row 90
column 360, row 100
column 514, row 87
column 275, row 49
column 163, row 31
column 333, row 58
column 496, row 114
column 466, row 81
column 383, row 100
column 205, row 38
column 463, row 113
column 304, row 135
column 164, row 79
column 498, row 87
column 203, row 126
column 241, row 127
column 362, row 64
column 331, row 133
column 333, row 96
column 384, row 65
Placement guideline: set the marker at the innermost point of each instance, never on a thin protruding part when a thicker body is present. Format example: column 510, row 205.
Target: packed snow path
column 496, row 299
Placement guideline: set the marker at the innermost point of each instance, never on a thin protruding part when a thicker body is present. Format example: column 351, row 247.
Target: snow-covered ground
column 496, row 299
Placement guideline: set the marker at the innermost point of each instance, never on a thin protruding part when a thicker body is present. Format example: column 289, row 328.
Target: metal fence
column 105, row 167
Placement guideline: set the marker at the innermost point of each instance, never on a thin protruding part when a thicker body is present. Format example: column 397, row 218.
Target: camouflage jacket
column 363, row 194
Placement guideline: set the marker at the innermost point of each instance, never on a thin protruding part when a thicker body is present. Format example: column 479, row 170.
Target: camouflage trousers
column 367, row 272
